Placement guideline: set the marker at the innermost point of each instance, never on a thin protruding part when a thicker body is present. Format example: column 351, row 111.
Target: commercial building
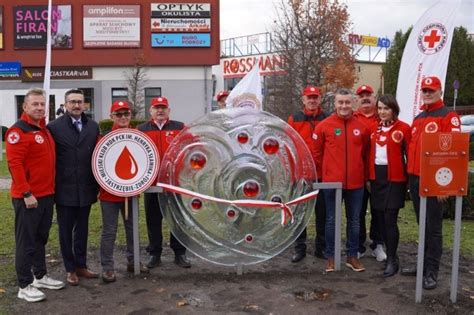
column 96, row 45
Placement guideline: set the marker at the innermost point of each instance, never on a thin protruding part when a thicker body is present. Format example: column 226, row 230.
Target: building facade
column 97, row 44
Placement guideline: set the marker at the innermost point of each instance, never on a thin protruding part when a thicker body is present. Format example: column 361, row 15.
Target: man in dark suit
column 76, row 189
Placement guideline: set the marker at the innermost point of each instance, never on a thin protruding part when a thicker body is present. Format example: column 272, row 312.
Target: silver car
column 467, row 125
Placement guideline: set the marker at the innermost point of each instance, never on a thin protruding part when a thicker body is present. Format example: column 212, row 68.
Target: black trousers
column 375, row 231
column 434, row 227
column 154, row 221
column 320, row 218
column 31, row 235
column 73, row 225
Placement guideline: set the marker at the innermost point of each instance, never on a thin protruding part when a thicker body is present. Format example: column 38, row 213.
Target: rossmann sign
column 270, row 64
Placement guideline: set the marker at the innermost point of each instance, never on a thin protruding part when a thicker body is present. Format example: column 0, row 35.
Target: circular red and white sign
column 125, row 162
column 432, row 38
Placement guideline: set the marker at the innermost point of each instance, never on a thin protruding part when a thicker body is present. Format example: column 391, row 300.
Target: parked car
column 467, row 125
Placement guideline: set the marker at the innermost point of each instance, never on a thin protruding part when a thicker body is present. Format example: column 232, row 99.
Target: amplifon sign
column 125, row 162
column 270, row 64
column 111, row 26
column 365, row 40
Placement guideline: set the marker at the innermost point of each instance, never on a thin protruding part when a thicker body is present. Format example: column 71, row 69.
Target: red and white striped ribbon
column 286, row 213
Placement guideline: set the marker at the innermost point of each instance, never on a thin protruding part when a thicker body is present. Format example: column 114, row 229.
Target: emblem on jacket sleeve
column 455, row 122
column 13, row 137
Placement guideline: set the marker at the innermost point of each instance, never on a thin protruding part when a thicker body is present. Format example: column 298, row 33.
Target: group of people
column 370, row 151
column 51, row 164
column 375, row 156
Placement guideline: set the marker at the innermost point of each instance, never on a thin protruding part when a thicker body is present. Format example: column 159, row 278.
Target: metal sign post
column 136, row 236
column 444, row 165
column 338, row 219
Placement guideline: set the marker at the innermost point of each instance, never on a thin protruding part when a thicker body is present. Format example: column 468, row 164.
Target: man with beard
column 367, row 114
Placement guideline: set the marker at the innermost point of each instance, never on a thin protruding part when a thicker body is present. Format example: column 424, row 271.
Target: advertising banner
column 30, row 26
column 36, row 74
column 180, row 40
column 165, row 25
column 181, row 10
column 10, row 70
column 1, row 27
column 111, row 26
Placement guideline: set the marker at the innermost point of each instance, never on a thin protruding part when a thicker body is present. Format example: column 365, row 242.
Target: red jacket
column 304, row 123
column 162, row 138
column 398, row 138
column 341, row 149
column 369, row 121
column 31, row 158
column 435, row 118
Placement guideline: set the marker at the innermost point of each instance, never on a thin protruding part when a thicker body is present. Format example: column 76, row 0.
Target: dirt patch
column 274, row 287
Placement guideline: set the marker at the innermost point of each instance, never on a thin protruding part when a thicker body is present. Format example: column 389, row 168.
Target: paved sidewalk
column 5, row 183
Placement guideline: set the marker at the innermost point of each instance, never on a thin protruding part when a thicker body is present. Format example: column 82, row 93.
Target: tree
column 460, row 66
column 394, row 58
column 136, row 80
column 310, row 36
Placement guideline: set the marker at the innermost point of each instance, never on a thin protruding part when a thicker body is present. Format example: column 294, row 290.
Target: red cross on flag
column 426, row 54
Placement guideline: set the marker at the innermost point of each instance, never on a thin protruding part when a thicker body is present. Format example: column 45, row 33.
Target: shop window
column 149, row 94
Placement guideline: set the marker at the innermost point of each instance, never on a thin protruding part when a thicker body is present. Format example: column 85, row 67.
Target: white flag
column 248, row 92
column 47, row 66
column 426, row 54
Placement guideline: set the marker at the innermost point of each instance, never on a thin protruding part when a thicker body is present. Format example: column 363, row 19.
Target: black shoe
column 409, row 271
column 298, row 257
column 391, row 268
column 429, row 282
column 153, row 262
column 182, row 261
column 320, row 254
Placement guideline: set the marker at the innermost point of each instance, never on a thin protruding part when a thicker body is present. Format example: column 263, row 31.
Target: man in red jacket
column 304, row 122
column 31, row 160
column 161, row 130
column 367, row 113
column 434, row 118
column 341, row 149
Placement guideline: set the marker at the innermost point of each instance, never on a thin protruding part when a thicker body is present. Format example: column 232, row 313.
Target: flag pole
column 47, row 66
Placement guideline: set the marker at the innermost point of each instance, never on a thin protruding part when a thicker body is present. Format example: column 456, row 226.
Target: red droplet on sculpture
column 271, row 146
column 242, row 137
column 249, row 238
column 251, row 189
column 197, row 161
column 196, row 204
column 126, row 167
column 231, row 213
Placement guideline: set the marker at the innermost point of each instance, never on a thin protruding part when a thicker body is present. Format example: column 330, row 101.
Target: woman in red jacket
column 387, row 173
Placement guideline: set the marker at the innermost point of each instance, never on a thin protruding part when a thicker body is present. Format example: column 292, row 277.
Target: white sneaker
column 31, row 294
column 379, row 253
column 360, row 255
column 48, row 283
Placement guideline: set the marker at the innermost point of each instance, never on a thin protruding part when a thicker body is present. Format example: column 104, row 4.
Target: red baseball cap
column 118, row 105
column 431, row 83
column 364, row 88
column 221, row 94
column 159, row 101
column 311, row 90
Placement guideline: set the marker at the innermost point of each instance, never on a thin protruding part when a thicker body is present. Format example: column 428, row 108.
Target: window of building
column 119, row 94
column 149, row 94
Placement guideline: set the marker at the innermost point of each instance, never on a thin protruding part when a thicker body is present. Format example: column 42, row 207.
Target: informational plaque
column 444, row 164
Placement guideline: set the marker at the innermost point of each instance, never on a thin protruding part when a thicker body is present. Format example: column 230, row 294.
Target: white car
column 467, row 125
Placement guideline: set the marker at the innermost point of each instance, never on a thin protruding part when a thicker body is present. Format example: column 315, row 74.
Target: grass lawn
column 407, row 224
column 3, row 164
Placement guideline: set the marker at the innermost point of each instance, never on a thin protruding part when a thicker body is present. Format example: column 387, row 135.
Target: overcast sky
column 369, row 17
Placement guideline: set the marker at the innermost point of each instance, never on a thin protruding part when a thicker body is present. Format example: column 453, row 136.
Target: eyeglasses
column 123, row 114
column 76, row 102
